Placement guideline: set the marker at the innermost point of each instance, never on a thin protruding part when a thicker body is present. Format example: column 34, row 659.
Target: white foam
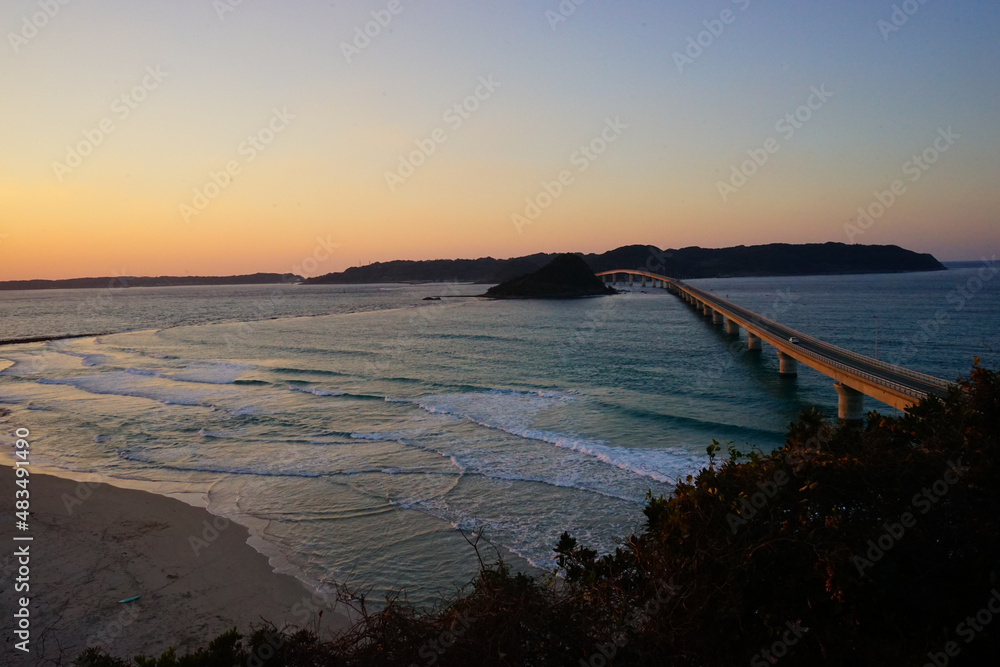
column 314, row 391
column 513, row 412
column 206, row 433
column 378, row 437
column 122, row 383
column 213, row 372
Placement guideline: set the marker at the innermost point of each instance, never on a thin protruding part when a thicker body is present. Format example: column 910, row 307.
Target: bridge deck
column 894, row 385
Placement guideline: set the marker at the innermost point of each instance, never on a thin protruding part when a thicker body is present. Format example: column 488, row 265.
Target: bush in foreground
column 849, row 546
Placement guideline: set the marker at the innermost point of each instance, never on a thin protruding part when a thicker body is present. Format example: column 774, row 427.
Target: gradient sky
column 323, row 177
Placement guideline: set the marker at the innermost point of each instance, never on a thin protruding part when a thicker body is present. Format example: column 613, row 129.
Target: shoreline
column 95, row 544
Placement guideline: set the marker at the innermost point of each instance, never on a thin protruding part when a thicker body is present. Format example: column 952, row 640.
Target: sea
column 365, row 434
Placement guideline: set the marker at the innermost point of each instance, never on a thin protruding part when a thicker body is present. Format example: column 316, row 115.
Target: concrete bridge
column 855, row 375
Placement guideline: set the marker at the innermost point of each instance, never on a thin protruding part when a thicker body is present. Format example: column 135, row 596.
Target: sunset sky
column 116, row 114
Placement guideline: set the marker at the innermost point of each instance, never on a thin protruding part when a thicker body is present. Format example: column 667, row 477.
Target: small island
column 566, row 277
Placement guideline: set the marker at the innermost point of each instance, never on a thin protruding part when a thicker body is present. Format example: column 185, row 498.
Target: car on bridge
column 793, row 340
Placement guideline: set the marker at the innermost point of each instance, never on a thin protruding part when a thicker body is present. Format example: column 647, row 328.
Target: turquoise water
column 359, row 428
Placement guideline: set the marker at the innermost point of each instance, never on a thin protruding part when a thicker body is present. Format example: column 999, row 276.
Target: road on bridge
column 824, row 352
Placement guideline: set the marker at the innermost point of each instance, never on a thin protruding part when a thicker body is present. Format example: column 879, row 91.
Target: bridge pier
column 717, row 317
column 706, row 311
column 732, row 328
column 787, row 365
column 754, row 344
column 850, row 404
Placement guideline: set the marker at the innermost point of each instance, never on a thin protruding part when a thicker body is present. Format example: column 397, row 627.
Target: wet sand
column 195, row 582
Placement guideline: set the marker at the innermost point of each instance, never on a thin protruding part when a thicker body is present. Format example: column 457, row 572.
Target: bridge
column 855, row 375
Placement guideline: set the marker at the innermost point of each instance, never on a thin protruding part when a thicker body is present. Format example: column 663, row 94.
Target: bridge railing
column 851, row 370
column 757, row 319
column 916, row 375
column 763, row 321
column 895, row 386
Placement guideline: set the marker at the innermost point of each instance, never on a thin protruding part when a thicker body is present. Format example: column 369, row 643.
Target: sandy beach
column 194, row 581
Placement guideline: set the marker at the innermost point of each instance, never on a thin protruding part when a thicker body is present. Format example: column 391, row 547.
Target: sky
column 201, row 137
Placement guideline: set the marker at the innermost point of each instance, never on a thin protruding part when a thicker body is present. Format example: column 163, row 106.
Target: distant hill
column 776, row 259
column 567, row 276
column 162, row 281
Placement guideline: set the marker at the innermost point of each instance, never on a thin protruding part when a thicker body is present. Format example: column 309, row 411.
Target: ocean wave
column 307, row 371
column 316, row 391
column 475, row 464
column 512, row 411
column 218, row 372
column 260, row 472
column 378, row 437
column 116, row 384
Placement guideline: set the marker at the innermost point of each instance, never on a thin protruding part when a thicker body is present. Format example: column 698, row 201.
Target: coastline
column 95, row 544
